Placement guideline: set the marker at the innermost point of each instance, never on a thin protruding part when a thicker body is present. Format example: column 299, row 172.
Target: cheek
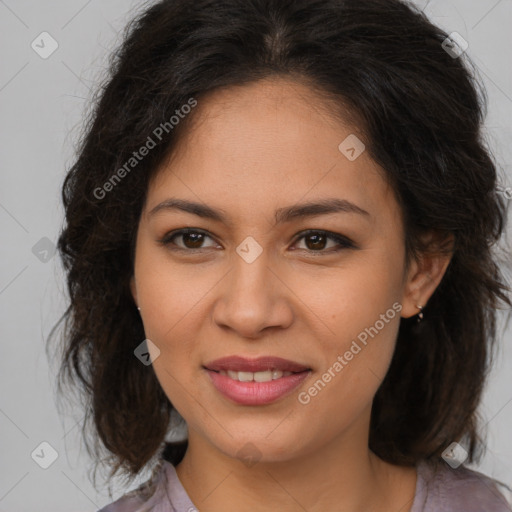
column 170, row 300
column 352, row 296
column 354, row 368
column 360, row 312
column 169, row 293
column 172, row 305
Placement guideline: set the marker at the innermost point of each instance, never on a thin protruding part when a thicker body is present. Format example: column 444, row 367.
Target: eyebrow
column 282, row 215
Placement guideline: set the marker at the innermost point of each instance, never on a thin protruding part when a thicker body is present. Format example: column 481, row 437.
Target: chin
column 253, row 449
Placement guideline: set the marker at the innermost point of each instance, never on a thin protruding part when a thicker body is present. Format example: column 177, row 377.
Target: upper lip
column 260, row 364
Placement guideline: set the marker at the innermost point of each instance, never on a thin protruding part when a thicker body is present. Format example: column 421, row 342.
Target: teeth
column 265, row 376
column 276, row 374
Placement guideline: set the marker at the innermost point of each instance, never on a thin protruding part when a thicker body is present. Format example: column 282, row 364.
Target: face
column 307, row 287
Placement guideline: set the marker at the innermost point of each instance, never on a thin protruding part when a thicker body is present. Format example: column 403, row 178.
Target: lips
column 256, row 393
column 260, row 364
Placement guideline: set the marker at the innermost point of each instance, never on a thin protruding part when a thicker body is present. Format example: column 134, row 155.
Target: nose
column 252, row 298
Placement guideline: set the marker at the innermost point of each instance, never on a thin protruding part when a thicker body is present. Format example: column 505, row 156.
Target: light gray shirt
column 437, row 490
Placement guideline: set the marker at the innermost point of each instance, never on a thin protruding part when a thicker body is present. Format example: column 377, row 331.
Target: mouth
column 255, row 381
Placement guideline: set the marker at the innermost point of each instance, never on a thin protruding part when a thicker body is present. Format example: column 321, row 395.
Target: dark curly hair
column 420, row 111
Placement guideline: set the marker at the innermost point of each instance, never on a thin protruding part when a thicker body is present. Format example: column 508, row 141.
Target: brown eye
column 190, row 239
column 193, row 240
column 317, row 241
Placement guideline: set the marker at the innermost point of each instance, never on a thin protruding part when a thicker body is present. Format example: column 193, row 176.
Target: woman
column 280, row 225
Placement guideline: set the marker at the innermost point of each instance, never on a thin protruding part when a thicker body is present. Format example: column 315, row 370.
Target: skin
column 249, row 151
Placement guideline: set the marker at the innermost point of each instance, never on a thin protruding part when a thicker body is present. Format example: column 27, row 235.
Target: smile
column 263, row 387
column 265, row 376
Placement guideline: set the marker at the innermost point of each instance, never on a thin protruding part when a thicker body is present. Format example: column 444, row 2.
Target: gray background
column 42, row 103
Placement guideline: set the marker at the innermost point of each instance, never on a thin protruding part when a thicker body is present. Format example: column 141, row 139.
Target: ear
column 426, row 272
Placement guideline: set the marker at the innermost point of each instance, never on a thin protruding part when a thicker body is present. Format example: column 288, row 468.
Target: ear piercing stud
column 420, row 314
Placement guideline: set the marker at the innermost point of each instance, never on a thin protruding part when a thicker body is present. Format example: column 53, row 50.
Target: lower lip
column 256, row 393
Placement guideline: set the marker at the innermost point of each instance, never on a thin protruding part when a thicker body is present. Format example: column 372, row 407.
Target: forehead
column 273, row 112
column 272, row 140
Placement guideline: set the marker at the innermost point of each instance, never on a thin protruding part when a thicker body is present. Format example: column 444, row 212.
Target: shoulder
column 150, row 496
column 441, row 488
column 126, row 503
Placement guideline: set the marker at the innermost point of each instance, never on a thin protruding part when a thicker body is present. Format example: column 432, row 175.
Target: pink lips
column 256, row 393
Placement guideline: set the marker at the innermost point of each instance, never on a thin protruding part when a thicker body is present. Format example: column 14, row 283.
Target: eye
column 317, row 241
column 191, row 239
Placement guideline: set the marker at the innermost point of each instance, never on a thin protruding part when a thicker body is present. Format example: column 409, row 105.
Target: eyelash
column 342, row 241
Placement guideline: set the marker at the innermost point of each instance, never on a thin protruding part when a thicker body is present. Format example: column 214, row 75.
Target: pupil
column 195, row 243
column 315, row 243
